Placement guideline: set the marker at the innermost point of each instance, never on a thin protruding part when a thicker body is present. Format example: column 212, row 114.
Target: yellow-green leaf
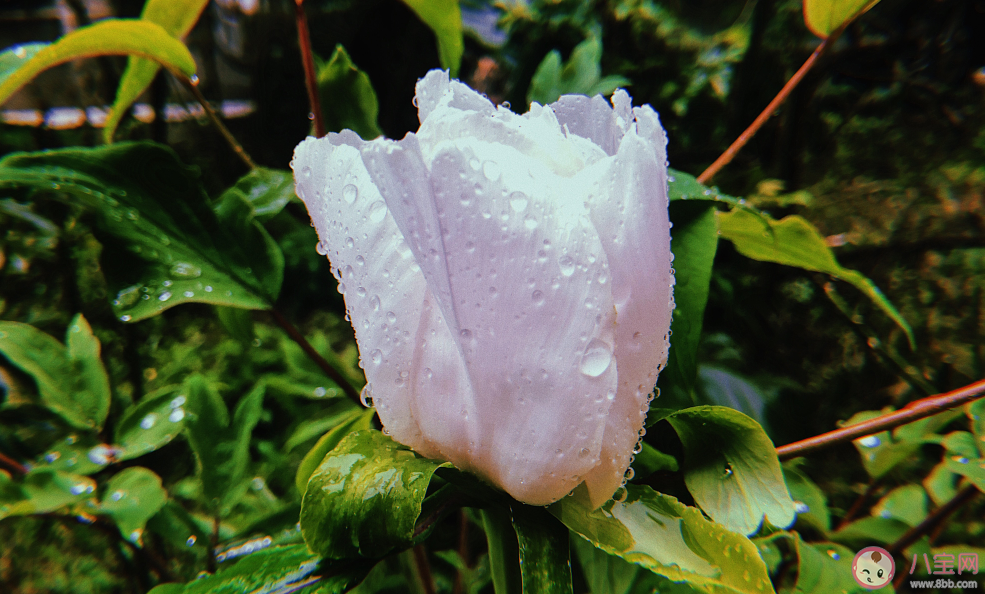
column 177, row 17
column 108, row 37
column 795, row 242
column 825, row 16
column 445, row 19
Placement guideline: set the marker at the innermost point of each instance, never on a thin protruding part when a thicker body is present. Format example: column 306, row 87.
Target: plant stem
column 192, row 87
column 767, row 113
column 857, row 506
column 914, row 411
column 12, row 464
column 315, row 356
column 424, row 569
column 213, row 544
column 939, row 516
column 463, row 550
column 308, row 61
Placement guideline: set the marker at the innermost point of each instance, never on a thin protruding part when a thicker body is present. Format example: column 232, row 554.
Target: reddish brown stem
column 315, row 356
column 12, row 464
column 767, row 113
column 938, row 517
column 424, row 569
column 914, row 411
column 857, row 506
column 192, row 87
column 308, row 61
column 463, row 550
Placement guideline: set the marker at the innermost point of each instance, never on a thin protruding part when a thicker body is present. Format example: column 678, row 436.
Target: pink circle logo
column 873, row 567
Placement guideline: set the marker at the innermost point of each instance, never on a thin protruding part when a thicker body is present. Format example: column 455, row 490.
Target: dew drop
column 360, row 261
column 376, row 356
column 538, row 297
column 117, row 495
column 596, row 359
column 320, row 392
column 350, row 193
column 361, row 291
column 870, row 441
column 191, row 541
column 630, row 473
column 349, row 242
column 391, row 317
column 959, row 459
column 186, row 270
column 375, row 303
column 518, row 201
column 176, row 415
column 148, row 421
column 322, row 248
column 530, row 222
column 125, row 318
column 366, row 396
column 620, row 495
column 377, row 212
column 800, row 507
column 164, row 296
column 567, row 265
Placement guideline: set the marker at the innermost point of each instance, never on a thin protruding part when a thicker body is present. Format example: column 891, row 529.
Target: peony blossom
column 508, row 278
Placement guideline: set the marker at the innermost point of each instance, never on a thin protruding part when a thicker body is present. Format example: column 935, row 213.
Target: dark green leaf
column 823, row 17
column 907, row 504
column 824, row 568
column 267, row 191
column 71, row 381
column 810, row 502
column 684, row 186
column 694, row 239
column 668, row 538
column 206, row 428
column 445, row 19
column 881, row 452
column 348, row 100
column 47, row 491
column 504, row 550
column 277, row 570
column 237, row 449
column 582, row 75
column 793, row 241
column 131, row 497
column 154, row 206
column 178, row 527
column 177, row 17
column 604, row 574
column 151, row 423
column 107, row 37
column 79, row 454
column 650, row 460
column 365, row 497
column 731, row 468
column 724, row 387
column 941, row 484
column 545, row 561
column 870, row 530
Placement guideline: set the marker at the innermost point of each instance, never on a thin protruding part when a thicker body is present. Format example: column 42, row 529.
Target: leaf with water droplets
column 668, row 538
column 13, row 57
column 348, row 100
column 962, row 457
column 267, row 191
column 151, row 423
column 907, row 504
column 177, row 17
column 153, row 215
column 684, row 186
column 354, row 420
column 793, row 241
column 365, row 497
column 810, row 502
column 694, row 241
column 42, row 491
column 277, row 570
column 131, row 497
column 71, row 381
column 545, row 563
column 881, row 452
column 731, row 468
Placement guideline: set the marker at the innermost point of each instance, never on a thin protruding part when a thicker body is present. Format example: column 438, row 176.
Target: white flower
column 509, row 280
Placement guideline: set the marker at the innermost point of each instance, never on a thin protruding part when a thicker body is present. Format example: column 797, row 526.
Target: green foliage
column 444, row 17
column 581, row 75
column 131, row 498
column 545, row 564
column 348, row 100
column 109, row 37
column 825, row 16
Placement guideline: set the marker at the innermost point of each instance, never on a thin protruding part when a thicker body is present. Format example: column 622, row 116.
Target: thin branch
column 192, row 86
column 12, row 464
column 939, row 516
column 857, row 506
column 767, row 113
column 463, row 550
column 315, row 356
column 308, row 61
column 914, row 411
column 424, row 569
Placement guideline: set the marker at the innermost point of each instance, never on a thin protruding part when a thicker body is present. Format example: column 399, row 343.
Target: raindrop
column 186, row 270
column 322, row 248
column 567, row 265
column 191, row 541
column 800, row 507
column 391, row 317
column 530, row 222
column 178, row 402
column 148, row 421
column 538, row 297
column 77, row 489
column 376, row 356
column 630, row 473
column 959, row 459
column 361, row 291
column 176, row 415
column 518, row 201
column 350, row 193
column 366, row 396
column 728, row 471
column 52, row 456
column 125, row 318
column 195, row 80
column 349, row 242
column 870, row 441
column 597, row 357
column 208, row 288
column 360, row 261
column 320, row 392
column 375, row 303
column 620, row 495
column 164, row 296
column 117, row 495
column 188, row 294
column 167, row 283
column 377, row 212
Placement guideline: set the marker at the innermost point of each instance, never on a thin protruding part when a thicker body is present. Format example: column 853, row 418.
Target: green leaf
column 976, row 416
column 205, row 427
column 277, row 570
column 871, row 530
column 267, row 191
column 444, row 17
column 941, row 484
column 46, row 491
column 155, row 208
column 823, row 17
column 151, row 423
column 131, row 497
column 881, row 452
column 793, row 241
column 355, row 420
column 694, row 240
column 79, row 454
column 604, row 574
column 237, row 451
column 545, row 561
column 684, row 186
column 365, row 497
column 650, row 460
column 582, row 75
column 72, row 381
column 826, row 567
column 107, row 37
column 668, row 538
column 810, row 502
column 907, row 504
column 731, row 468
column 348, row 100
column 15, row 56
column 178, row 526
column 504, row 550
column 176, row 17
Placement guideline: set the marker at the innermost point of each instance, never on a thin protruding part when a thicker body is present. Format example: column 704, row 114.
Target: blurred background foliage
column 882, row 147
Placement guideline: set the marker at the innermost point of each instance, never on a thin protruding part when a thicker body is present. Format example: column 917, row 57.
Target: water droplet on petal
column 391, row 317
column 518, row 201
column 377, row 212
column 537, row 297
column 366, row 396
column 596, row 359
column 376, row 356
column 350, row 193
column 567, row 265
